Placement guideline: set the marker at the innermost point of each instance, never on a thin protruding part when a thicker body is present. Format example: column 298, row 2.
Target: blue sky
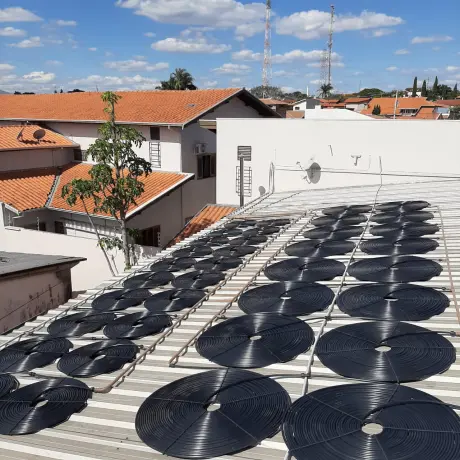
column 132, row 44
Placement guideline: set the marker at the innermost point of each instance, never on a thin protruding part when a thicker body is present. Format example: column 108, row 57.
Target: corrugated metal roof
column 105, row 429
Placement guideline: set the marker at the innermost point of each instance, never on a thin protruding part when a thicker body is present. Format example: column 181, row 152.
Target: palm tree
column 180, row 80
column 325, row 90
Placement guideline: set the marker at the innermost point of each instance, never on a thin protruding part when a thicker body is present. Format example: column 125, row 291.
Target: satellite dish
column 39, row 134
column 314, row 173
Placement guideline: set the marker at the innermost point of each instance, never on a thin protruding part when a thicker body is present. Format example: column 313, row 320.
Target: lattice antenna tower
column 267, row 70
column 326, row 56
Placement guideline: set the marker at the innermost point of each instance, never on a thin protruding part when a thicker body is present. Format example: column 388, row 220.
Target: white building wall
column 37, row 158
column 199, row 192
column 417, row 147
column 86, row 133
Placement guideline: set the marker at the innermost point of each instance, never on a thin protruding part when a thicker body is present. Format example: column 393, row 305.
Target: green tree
column 454, row 113
column 371, row 92
column 271, row 92
column 435, row 90
column 455, row 92
column 325, row 90
column 424, row 91
column 115, row 182
column 180, row 80
column 376, row 110
column 415, row 87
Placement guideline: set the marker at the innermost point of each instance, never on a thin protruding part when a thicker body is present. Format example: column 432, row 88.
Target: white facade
column 348, row 153
column 357, row 107
column 335, row 114
column 306, row 104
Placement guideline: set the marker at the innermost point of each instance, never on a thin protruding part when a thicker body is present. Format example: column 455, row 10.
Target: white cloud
column 284, row 73
column 136, row 66
column 236, row 80
column 233, row 69
column 431, row 69
column 54, row 41
column 18, row 14
column 300, row 55
column 358, row 72
column 108, row 54
column 452, row 68
column 39, row 77
column 194, row 45
column 402, row 52
column 53, row 62
column 314, row 24
column 288, row 89
column 6, row 67
column 431, row 39
column 391, row 68
column 316, row 82
column 247, row 19
column 32, row 42
column 382, row 32
column 210, row 84
column 150, row 34
column 104, row 82
column 92, row 49
column 63, row 23
column 12, row 32
column 247, row 55
column 336, row 64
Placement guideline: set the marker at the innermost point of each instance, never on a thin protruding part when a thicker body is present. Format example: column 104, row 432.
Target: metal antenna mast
column 267, row 71
column 329, row 45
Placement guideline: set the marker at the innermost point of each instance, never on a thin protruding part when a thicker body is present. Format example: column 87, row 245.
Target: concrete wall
column 36, row 158
column 86, row 133
column 412, row 147
column 27, row 295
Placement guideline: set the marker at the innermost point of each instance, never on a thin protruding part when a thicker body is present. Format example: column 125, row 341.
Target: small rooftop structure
column 22, row 137
column 408, row 106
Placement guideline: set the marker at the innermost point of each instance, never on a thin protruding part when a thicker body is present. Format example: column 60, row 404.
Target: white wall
column 86, row 133
column 37, row 158
column 406, row 147
column 199, row 192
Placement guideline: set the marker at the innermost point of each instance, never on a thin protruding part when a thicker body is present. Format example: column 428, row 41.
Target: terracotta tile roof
column 275, row 102
column 209, row 215
column 155, row 185
column 295, row 114
column 28, row 189
column 357, row 100
column 449, row 103
column 387, row 104
column 427, row 113
column 11, row 140
column 161, row 107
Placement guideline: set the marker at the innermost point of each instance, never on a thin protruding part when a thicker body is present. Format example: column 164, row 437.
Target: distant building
column 279, row 106
column 306, row 104
column 357, row 103
column 405, row 107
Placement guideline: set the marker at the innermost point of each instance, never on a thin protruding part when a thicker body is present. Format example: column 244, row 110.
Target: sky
column 133, row 44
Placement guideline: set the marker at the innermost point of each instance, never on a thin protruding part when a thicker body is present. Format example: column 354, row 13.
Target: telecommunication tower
column 326, row 56
column 267, row 70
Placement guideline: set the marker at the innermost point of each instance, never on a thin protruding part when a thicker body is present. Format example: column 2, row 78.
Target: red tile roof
column 155, row 185
column 357, row 100
column 387, row 104
column 275, row 102
column 20, row 137
column 449, row 103
column 295, row 114
column 30, row 189
column 209, row 215
column 155, row 107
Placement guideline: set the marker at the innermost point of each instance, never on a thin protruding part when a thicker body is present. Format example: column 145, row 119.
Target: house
column 167, row 119
column 357, row 103
column 447, row 105
column 32, row 284
column 306, row 104
column 280, row 107
column 330, row 114
column 402, row 107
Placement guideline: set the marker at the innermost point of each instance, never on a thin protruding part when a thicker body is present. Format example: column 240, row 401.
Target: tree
column 76, row 90
column 271, row 92
column 415, row 87
column 455, row 92
column 435, row 89
column 114, row 184
column 180, row 80
column 61, row 91
column 424, row 91
column 454, row 113
column 376, row 110
column 325, row 90
column 371, row 92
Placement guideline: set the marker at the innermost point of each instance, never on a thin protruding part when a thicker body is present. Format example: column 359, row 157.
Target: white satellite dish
column 39, row 134
column 314, row 173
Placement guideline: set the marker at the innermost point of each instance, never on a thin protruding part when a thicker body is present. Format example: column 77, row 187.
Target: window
column 155, row 154
column 40, row 226
column 150, row 237
column 154, row 133
column 296, row 108
column 59, row 228
column 408, row 111
column 78, row 154
column 206, row 166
